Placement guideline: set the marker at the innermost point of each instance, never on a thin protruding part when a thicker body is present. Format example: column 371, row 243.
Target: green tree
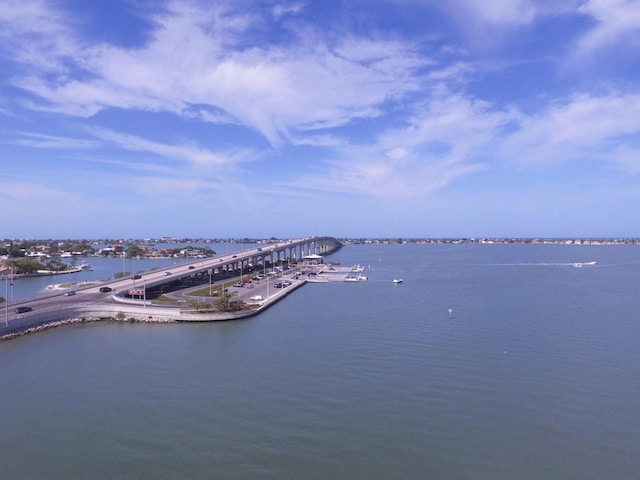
column 85, row 247
column 223, row 302
column 57, row 265
column 135, row 251
column 16, row 251
column 27, row 265
column 66, row 246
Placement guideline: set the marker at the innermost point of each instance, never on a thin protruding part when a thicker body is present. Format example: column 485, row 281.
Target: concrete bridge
column 128, row 296
column 264, row 254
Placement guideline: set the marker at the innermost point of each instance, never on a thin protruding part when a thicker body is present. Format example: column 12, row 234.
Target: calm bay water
column 535, row 375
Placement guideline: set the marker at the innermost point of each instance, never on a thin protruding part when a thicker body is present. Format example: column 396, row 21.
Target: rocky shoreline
column 73, row 321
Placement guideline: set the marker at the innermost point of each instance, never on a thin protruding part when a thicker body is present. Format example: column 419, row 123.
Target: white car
column 256, row 298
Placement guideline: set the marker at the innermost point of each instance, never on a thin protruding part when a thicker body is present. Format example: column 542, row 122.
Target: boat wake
column 548, row 264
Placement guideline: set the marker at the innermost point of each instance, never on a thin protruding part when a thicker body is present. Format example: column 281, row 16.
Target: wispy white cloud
column 448, row 137
column 589, row 126
column 454, row 136
column 282, row 9
column 501, row 11
column 190, row 154
column 617, row 25
column 37, row 35
column 504, row 13
column 627, row 158
column 201, row 59
column 32, row 198
column 37, row 140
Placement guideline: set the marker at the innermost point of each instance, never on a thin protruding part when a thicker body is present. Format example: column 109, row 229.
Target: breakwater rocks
column 119, row 318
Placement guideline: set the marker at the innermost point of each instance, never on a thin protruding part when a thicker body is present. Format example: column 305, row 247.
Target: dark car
column 69, row 293
column 23, row 309
column 136, row 277
column 105, row 289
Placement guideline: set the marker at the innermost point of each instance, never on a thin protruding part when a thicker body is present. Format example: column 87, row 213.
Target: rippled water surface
column 535, row 374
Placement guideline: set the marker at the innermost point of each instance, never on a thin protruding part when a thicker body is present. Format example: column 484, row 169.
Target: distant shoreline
column 497, row 241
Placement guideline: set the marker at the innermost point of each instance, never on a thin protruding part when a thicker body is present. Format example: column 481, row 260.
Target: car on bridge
column 23, row 309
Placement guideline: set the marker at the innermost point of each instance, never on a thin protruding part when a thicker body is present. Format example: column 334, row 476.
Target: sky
column 353, row 118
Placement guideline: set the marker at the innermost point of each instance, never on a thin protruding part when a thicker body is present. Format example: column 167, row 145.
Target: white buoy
column 450, row 312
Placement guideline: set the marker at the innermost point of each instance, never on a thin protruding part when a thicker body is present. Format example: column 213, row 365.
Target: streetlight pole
column 264, row 273
column 6, row 300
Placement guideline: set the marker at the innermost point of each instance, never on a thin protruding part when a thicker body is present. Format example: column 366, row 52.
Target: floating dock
column 332, row 273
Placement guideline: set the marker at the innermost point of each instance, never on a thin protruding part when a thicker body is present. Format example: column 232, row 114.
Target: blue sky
column 358, row 118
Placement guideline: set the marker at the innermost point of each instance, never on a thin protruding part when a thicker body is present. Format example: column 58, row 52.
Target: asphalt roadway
column 260, row 292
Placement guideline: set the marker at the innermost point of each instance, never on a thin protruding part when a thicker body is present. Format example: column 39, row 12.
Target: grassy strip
column 204, row 292
column 166, row 300
column 216, row 289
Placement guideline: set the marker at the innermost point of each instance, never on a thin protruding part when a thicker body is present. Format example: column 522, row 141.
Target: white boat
column 357, row 278
column 85, row 266
column 583, row 264
column 397, row 280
